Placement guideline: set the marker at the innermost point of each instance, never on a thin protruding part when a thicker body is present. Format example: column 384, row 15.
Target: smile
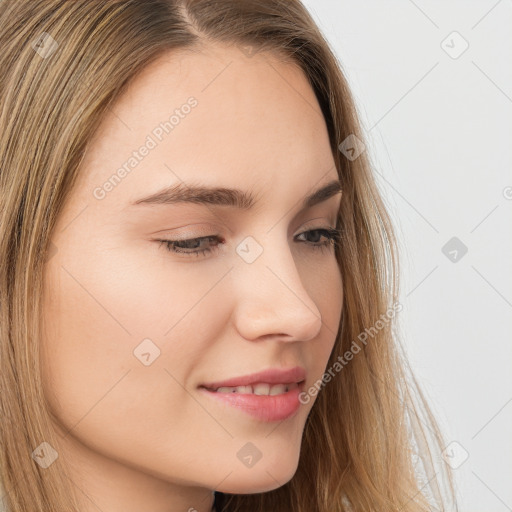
column 259, row 389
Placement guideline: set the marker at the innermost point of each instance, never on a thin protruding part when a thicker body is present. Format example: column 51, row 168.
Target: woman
column 198, row 276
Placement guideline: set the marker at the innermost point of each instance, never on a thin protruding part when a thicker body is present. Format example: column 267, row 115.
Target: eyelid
column 185, row 233
column 327, row 223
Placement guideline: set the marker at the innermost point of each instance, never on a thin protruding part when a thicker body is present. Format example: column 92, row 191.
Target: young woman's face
column 133, row 330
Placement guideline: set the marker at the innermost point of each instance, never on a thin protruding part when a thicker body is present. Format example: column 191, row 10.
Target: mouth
column 270, row 395
column 260, row 389
column 261, row 383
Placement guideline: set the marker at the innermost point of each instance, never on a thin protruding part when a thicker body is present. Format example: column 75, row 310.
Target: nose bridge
column 270, row 293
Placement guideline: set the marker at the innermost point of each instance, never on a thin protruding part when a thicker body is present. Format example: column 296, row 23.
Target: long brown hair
column 370, row 442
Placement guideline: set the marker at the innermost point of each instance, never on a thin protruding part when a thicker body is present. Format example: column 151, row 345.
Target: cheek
column 331, row 297
column 95, row 315
column 101, row 307
column 97, row 389
column 326, row 288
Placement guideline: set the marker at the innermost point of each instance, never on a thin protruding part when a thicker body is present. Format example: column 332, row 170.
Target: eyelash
column 333, row 236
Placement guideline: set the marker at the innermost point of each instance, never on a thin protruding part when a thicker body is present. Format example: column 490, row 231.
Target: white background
column 440, row 137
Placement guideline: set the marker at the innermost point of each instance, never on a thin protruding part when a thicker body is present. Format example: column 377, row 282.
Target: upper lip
column 270, row 376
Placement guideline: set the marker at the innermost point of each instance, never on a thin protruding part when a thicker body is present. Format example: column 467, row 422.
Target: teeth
column 259, row 389
column 278, row 389
column 226, row 390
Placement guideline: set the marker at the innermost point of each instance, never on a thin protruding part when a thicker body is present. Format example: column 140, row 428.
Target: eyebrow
column 221, row 196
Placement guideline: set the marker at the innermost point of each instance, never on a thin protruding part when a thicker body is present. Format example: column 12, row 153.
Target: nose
column 271, row 298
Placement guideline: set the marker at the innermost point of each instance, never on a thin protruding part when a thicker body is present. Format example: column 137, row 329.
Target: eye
column 190, row 246
column 195, row 247
column 333, row 237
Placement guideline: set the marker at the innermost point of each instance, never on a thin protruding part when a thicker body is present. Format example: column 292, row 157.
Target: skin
column 143, row 437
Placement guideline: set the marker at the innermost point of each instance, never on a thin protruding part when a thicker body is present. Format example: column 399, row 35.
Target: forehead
column 214, row 116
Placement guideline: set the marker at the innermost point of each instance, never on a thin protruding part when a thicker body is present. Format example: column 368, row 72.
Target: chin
column 258, row 480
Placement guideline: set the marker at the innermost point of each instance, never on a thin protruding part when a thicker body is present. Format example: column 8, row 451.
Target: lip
column 270, row 376
column 262, row 407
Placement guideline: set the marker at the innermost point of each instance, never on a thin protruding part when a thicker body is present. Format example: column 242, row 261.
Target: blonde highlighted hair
column 370, row 442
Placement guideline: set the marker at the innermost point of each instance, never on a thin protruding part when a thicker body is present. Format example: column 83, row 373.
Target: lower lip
column 262, row 407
